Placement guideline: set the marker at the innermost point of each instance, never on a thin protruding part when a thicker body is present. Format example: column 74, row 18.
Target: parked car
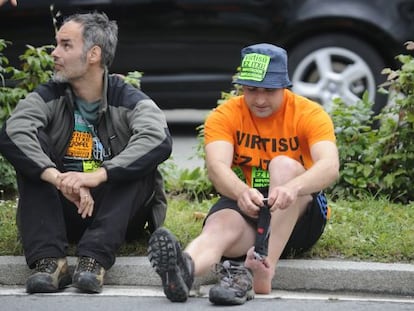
column 189, row 50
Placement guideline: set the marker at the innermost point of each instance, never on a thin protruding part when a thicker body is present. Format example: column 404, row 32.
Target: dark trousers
column 48, row 222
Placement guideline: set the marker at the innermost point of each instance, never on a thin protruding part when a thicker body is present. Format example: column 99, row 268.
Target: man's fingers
column 86, row 206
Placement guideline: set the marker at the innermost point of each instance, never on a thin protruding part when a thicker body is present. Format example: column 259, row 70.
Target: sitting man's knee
column 284, row 163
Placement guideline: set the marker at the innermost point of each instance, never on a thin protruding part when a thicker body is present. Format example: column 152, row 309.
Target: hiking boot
column 235, row 285
column 176, row 268
column 88, row 276
column 50, row 275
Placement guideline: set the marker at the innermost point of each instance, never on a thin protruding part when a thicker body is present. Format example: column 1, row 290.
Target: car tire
column 337, row 65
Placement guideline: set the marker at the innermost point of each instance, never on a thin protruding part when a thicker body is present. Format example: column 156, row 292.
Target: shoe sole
column 87, row 283
column 45, row 285
column 223, row 298
column 163, row 256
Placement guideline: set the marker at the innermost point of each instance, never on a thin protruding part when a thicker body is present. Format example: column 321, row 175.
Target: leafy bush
column 36, row 67
column 193, row 183
column 379, row 160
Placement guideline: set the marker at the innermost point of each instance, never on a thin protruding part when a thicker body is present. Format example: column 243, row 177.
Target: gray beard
column 59, row 78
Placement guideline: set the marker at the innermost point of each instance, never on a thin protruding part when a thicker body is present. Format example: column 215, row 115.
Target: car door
column 188, row 50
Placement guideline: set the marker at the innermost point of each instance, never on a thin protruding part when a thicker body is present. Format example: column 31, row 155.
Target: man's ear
column 95, row 54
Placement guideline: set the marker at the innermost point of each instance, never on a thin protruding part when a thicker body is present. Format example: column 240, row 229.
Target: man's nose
column 260, row 99
column 54, row 52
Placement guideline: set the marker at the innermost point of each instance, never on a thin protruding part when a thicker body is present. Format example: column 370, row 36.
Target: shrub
column 379, row 160
column 36, row 67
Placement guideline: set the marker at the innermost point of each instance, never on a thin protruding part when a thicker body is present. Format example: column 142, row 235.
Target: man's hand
column 250, row 202
column 75, row 186
column 83, row 201
column 71, row 182
column 281, row 197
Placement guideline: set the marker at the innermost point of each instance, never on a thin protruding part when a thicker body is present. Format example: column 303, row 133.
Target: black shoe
column 235, row 286
column 49, row 276
column 89, row 275
column 175, row 267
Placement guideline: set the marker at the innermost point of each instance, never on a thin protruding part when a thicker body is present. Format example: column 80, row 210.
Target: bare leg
column 281, row 169
column 225, row 233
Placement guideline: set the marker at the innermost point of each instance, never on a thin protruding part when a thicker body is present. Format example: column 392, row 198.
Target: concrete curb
column 292, row 274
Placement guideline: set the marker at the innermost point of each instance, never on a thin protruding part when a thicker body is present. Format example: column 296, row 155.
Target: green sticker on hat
column 254, row 67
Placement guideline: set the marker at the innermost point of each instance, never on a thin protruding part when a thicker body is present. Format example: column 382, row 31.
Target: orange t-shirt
column 290, row 131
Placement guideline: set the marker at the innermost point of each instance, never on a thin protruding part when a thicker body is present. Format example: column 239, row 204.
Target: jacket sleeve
column 19, row 137
column 149, row 144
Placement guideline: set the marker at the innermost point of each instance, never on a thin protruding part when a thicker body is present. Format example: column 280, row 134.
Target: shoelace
column 88, row 264
column 231, row 274
column 47, row 265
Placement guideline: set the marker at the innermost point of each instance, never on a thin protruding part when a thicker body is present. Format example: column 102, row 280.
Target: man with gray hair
column 86, row 147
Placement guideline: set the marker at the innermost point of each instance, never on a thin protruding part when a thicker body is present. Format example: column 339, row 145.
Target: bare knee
column 282, row 169
column 230, row 231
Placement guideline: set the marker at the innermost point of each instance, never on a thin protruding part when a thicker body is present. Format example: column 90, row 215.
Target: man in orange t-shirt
column 269, row 153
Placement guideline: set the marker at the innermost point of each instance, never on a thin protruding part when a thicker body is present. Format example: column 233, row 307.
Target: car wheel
column 329, row 66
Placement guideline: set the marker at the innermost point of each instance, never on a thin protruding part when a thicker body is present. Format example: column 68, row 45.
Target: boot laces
column 88, row 264
column 47, row 265
column 231, row 275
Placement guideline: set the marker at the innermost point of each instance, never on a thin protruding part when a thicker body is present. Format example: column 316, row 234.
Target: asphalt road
column 133, row 298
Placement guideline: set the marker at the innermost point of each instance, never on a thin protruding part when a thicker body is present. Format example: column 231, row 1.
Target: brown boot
column 89, row 275
column 49, row 276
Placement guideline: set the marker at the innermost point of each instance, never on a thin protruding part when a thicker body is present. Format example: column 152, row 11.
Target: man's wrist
column 50, row 175
column 102, row 174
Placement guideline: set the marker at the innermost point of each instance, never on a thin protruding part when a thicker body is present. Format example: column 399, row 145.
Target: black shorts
column 307, row 231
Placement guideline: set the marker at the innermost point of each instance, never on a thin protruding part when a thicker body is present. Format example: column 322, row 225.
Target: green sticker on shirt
column 90, row 166
column 260, row 178
column 254, row 67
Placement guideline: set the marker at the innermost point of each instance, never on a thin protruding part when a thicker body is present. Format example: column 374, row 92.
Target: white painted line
column 334, row 296
column 107, row 291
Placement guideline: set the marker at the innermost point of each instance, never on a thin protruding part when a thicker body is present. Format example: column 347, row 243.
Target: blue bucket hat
column 263, row 65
